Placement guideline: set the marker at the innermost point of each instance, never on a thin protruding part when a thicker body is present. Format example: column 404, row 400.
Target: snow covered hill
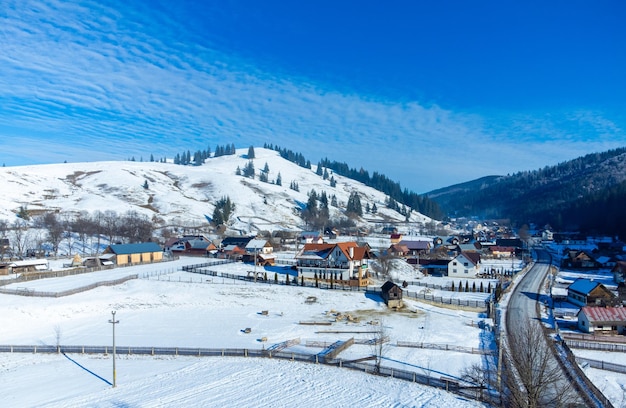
column 172, row 194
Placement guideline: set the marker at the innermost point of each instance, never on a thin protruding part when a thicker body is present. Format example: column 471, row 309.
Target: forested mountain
column 584, row 194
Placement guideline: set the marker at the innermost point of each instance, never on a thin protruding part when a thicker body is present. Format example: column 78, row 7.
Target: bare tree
column 4, row 227
column 379, row 344
column 20, row 236
column 529, row 372
column 384, row 265
column 54, row 231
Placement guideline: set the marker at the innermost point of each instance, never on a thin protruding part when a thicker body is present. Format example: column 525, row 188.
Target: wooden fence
column 36, row 293
column 447, row 347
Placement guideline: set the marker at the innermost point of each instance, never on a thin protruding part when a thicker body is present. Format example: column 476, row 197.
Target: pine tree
column 279, row 180
column 251, row 153
column 276, row 278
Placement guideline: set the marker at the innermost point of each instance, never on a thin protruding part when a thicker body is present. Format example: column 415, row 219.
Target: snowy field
column 166, row 307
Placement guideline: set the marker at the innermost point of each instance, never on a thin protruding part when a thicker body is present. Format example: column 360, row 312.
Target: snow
column 181, row 196
column 168, row 307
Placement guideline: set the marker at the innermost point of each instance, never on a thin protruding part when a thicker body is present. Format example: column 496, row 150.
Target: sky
column 428, row 93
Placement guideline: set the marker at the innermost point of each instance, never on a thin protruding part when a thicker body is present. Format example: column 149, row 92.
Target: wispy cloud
column 95, row 81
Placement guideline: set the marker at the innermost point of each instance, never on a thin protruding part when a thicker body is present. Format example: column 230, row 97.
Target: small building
column 464, row 265
column 395, row 238
column 27, row 265
column 584, row 292
column 311, row 237
column 392, row 295
column 128, row 254
column 602, row 320
column 502, row 251
column 579, row 260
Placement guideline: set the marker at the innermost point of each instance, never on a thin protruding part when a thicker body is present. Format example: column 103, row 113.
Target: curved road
column 522, row 304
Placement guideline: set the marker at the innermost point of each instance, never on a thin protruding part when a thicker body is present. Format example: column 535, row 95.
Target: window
column 466, row 271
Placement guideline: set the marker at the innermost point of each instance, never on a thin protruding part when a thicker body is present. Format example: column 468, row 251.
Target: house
column 464, row 265
column 602, row 320
column 432, row 266
column 392, row 295
column 395, row 238
column 579, row 260
column 311, row 237
column 240, row 241
column 199, row 247
column 129, row 254
column 510, row 242
column 234, row 252
column 398, row 250
column 260, row 251
column 502, row 251
column 415, row 247
column 584, row 292
column 343, row 262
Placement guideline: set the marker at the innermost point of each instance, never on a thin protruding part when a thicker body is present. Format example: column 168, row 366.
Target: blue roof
column 584, row 286
column 139, row 248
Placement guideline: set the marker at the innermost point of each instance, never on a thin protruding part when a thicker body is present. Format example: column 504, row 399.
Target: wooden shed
column 392, row 295
column 127, row 254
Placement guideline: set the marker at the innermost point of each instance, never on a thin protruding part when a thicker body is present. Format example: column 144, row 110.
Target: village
column 401, row 271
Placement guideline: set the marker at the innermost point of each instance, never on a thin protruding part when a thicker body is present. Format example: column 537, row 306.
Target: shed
column 392, row 295
column 602, row 320
column 143, row 252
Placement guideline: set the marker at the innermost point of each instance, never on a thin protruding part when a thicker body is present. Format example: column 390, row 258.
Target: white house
column 464, row 265
column 602, row 320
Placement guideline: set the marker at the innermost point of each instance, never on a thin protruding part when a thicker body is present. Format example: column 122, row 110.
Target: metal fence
column 457, row 386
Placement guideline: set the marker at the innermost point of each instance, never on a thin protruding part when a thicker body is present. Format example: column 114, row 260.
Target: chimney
column 351, row 252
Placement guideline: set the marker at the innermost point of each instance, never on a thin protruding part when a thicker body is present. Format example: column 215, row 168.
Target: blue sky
column 428, row 93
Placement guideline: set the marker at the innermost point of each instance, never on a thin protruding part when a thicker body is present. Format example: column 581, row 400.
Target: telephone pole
column 113, row 322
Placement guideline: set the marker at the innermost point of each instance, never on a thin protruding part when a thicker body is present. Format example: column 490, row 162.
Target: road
column 522, row 308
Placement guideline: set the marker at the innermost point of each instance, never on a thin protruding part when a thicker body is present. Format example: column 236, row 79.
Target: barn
column 129, row 254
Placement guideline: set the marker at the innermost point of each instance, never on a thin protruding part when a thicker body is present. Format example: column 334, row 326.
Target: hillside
column 176, row 195
column 566, row 195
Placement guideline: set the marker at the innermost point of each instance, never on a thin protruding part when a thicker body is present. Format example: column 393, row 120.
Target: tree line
column 83, row 232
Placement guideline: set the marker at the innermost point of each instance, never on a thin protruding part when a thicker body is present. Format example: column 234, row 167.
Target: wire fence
column 457, row 386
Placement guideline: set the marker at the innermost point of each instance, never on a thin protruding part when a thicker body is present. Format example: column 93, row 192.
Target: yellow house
column 128, row 254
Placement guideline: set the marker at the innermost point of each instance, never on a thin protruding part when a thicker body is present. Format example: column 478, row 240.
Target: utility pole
column 113, row 322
